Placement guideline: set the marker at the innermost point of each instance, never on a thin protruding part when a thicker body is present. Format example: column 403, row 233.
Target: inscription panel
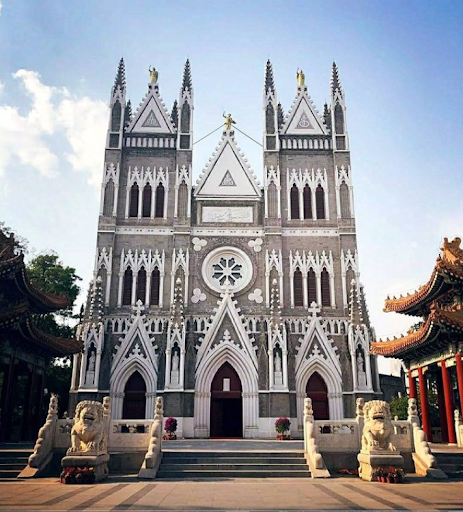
column 227, row 214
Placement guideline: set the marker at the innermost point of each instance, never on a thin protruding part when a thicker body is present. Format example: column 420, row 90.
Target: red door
column 134, row 398
column 226, row 403
column 316, row 390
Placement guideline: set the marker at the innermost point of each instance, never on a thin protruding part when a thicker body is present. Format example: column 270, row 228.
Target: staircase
column 451, row 463
column 13, row 459
column 205, row 464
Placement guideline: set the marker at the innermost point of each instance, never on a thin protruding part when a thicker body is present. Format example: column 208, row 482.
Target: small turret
column 185, row 110
column 270, row 110
column 338, row 112
column 118, row 107
column 186, row 82
column 174, row 114
column 120, row 76
column 269, row 82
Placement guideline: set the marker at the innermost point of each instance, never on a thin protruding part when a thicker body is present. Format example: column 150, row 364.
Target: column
column 181, row 379
column 304, row 290
column 448, row 403
column 424, row 403
column 271, row 367
column 168, row 368
column 459, row 366
column 441, row 406
column 411, row 385
column 285, row 369
column 301, row 204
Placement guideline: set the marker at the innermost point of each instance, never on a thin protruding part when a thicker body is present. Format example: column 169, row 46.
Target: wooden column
column 411, row 385
column 459, row 365
column 448, row 403
column 424, row 403
column 441, row 406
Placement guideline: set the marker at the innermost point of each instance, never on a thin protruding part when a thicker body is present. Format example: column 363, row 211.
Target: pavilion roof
column 447, row 272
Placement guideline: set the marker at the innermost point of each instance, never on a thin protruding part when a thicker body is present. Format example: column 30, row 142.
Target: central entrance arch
column 226, row 403
column 317, row 390
column 135, row 397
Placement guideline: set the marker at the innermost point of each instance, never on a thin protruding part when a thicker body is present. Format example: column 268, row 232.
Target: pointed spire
column 327, row 116
column 281, row 116
column 174, row 114
column 120, row 76
column 128, row 113
column 335, row 82
column 186, row 82
column 269, row 82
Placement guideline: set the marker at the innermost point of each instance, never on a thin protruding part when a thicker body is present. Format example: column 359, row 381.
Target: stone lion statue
column 377, row 429
column 87, row 434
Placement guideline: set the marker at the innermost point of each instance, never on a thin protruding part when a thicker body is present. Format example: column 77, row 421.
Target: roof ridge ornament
column 229, row 121
column 300, row 78
column 154, row 75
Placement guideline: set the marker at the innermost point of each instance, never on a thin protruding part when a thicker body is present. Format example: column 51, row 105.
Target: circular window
column 227, row 267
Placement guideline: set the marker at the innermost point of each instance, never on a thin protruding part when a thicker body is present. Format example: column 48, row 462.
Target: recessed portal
column 134, row 398
column 316, row 390
column 226, row 403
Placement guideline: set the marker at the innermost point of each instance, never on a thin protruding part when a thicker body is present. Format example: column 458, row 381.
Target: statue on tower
column 300, row 78
column 229, row 121
column 153, row 75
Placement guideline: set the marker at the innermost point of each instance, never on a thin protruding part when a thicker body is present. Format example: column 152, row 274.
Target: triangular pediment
column 303, row 118
column 228, row 174
column 151, row 116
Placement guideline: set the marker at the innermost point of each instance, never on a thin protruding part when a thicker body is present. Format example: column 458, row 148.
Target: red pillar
column 441, row 406
column 411, row 385
column 448, row 403
column 424, row 403
column 459, row 365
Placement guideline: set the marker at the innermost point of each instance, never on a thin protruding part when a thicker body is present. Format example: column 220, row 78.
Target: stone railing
column 314, row 458
column 153, row 456
column 129, row 435
column 337, row 435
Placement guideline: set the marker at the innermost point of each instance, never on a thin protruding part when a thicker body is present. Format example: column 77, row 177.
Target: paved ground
column 119, row 494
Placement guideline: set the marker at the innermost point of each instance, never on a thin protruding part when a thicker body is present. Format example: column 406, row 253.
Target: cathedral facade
column 234, row 301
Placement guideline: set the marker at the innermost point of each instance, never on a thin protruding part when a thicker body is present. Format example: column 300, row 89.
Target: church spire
column 186, row 82
column 174, row 114
column 335, row 82
column 338, row 112
column 269, row 82
column 119, row 81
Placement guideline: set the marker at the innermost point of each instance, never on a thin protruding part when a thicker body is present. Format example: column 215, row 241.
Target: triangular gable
column 226, row 311
column 303, row 118
column 151, row 116
column 228, row 174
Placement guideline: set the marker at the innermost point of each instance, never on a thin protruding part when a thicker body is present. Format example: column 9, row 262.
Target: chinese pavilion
column 432, row 349
column 25, row 350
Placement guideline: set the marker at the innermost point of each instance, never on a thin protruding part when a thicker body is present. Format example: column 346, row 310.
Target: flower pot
column 389, row 479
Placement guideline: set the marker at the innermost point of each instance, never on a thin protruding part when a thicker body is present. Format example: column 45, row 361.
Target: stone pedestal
column 99, row 463
column 377, row 459
column 174, row 377
column 278, row 379
column 362, row 380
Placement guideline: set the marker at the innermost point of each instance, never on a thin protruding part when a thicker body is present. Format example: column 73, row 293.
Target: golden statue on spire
column 229, row 121
column 300, row 78
column 153, row 75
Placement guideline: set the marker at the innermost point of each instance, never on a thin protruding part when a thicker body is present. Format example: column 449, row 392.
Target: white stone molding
column 272, row 175
column 256, row 244
column 273, row 260
column 312, row 178
column 342, row 175
column 348, row 261
column 93, row 343
column 183, row 175
column 136, row 352
column 104, row 258
column 277, row 339
column 176, row 335
column 256, row 296
column 111, row 173
column 147, row 176
column 359, row 339
column 198, row 296
column 198, row 243
column 219, row 276
column 226, row 351
column 180, row 259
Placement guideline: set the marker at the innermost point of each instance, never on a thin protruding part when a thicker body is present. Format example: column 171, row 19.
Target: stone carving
column 87, row 433
column 175, row 362
column 412, row 411
column 362, row 376
column 314, row 457
column 256, row 296
column 227, row 214
column 154, row 454
column 198, row 243
column 91, row 362
column 227, row 180
column 256, row 244
column 198, row 296
column 378, row 429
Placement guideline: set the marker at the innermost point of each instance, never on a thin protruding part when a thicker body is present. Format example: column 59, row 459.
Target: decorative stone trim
column 198, row 243
column 198, row 296
column 256, row 296
column 256, row 244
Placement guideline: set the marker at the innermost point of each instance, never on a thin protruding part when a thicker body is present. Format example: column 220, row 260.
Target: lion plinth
column 87, row 434
column 377, row 429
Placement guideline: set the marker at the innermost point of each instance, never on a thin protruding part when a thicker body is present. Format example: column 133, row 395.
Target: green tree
column 399, row 407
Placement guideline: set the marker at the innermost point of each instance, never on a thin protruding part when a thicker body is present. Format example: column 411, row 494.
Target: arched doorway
column 226, row 403
column 316, row 390
column 134, row 398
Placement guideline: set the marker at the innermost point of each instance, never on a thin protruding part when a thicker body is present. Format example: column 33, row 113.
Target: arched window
column 270, row 119
column 312, row 287
column 141, row 285
column 320, row 202
column 116, row 117
column 272, row 200
column 183, row 201
column 294, row 198
column 185, row 119
column 344, row 200
column 159, row 201
column 298, row 297
column 127, row 288
column 350, row 276
column 133, row 207
column 317, row 390
column 155, row 284
column 108, row 199
column 146, row 201
column 307, row 194
column 338, row 119
column 325, row 282
column 134, row 407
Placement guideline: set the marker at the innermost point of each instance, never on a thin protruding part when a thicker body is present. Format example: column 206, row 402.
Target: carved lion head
column 88, row 412
column 377, row 410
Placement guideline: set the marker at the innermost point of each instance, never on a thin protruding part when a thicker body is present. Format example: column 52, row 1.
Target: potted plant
column 170, row 426
column 282, row 425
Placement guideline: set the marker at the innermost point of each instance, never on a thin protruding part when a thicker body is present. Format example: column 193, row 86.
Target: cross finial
column 226, row 335
column 314, row 309
column 139, row 307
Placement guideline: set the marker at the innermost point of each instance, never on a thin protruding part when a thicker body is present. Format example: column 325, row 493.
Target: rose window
column 227, row 268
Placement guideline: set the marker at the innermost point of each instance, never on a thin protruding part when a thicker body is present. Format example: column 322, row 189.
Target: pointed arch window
column 311, row 287
column 272, row 197
column 146, row 201
column 307, row 195
column 338, row 119
column 159, row 213
column 298, row 294
column 108, row 199
column 183, row 201
column 270, row 119
column 185, row 118
column 294, row 199
column 344, row 200
column 155, row 285
column 325, row 282
column 141, row 285
column 127, row 287
column 134, row 193
column 116, row 117
column 320, row 202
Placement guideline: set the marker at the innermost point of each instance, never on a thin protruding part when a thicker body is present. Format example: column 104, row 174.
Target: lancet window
column 127, row 287
column 325, row 285
column 146, row 201
column 320, row 202
column 141, row 285
column 116, row 117
column 133, row 207
column 344, row 199
column 108, row 199
column 159, row 212
column 311, row 287
column 298, row 288
column 307, row 201
column 294, row 202
column 155, row 287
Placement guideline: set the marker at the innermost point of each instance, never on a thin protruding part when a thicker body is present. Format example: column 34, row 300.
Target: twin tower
column 231, row 300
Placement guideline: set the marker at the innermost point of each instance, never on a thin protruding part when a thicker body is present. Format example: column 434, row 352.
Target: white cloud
column 1, row 7
column 31, row 138
column 2, row 86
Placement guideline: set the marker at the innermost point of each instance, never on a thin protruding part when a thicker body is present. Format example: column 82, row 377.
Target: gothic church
column 232, row 300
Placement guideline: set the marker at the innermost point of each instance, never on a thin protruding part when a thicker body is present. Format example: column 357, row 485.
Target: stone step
column 13, row 466
column 231, row 460
column 8, row 454
column 233, row 467
column 14, row 460
column 216, row 473
column 260, row 455
column 10, row 473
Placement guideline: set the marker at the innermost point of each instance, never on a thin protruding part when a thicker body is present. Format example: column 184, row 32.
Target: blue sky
column 400, row 65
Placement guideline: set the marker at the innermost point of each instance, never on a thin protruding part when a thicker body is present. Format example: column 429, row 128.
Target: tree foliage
column 399, row 407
